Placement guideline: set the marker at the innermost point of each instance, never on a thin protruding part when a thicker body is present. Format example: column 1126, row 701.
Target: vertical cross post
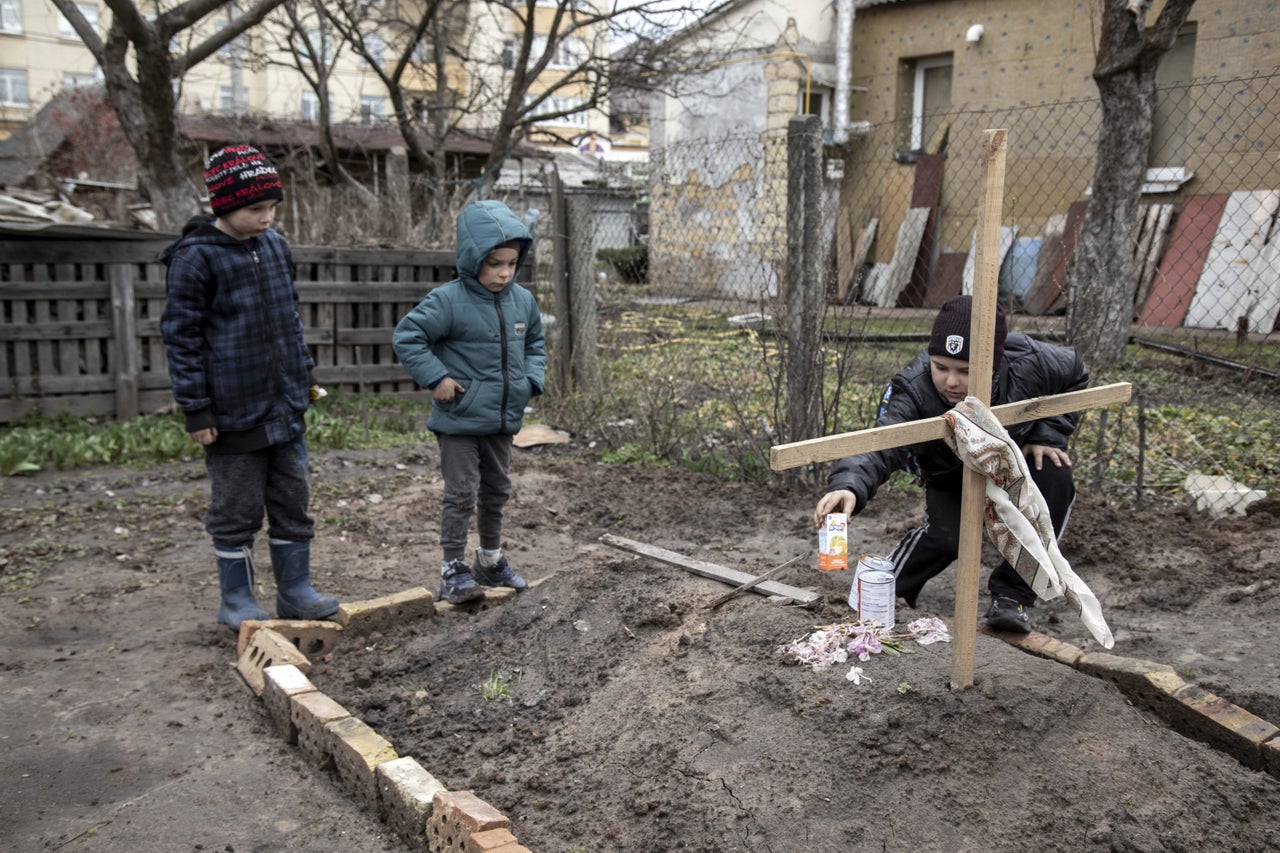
column 982, row 331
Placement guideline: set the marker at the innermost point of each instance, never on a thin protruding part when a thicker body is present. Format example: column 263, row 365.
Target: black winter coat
column 1029, row 369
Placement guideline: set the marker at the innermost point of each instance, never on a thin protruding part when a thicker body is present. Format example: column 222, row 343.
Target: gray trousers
column 476, row 481
column 244, row 485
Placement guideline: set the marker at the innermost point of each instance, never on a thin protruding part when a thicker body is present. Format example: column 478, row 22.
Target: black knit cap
column 238, row 176
column 950, row 336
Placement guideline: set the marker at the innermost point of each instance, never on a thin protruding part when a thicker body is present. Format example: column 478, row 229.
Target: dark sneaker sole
column 463, row 597
column 1010, row 626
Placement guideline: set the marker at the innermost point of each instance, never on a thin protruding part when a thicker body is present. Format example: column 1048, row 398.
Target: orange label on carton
column 833, row 543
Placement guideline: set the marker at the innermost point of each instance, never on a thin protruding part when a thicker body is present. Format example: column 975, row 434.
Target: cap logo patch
column 955, row 344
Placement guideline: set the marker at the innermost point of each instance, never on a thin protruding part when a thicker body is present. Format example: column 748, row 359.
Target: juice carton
column 833, row 543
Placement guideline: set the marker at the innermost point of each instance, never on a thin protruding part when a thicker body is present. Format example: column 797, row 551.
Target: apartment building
column 270, row 70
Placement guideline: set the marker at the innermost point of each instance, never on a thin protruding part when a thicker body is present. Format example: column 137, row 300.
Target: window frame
column 11, row 10
column 8, row 76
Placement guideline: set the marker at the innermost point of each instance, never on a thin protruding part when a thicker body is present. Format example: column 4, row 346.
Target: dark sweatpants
column 475, row 469
column 244, row 485
column 926, row 551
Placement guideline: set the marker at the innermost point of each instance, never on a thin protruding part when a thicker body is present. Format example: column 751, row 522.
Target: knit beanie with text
column 238, row 176
column 950, row 336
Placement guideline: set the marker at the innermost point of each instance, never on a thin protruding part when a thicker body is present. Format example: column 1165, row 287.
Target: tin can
column 876, row 598
column 833, row 543
column 867, row 562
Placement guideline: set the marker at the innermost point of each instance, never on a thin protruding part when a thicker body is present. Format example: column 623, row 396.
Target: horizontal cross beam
column 831, row 447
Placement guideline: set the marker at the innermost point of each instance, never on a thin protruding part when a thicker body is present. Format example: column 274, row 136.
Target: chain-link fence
column 703, row 337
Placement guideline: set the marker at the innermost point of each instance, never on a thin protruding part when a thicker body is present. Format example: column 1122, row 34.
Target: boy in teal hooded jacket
column 476, row 342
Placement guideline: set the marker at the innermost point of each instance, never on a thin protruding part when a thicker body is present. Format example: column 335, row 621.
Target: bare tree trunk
column 1100, row 298
column 147, row 111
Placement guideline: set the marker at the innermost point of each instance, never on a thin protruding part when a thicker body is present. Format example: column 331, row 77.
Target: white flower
column 855, row 675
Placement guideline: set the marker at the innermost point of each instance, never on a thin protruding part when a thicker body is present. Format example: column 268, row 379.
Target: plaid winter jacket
column 231, row 329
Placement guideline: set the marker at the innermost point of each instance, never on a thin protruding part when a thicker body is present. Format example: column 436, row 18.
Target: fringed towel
column 1015, row 513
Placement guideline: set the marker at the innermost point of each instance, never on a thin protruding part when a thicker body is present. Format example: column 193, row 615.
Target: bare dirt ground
column 637, row 718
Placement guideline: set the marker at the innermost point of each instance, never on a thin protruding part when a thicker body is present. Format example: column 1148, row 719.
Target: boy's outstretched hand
column 841, row 500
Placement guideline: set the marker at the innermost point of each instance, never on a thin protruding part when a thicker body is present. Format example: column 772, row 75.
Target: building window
column 310, row 107
column 928, row 97
column 817, row 102
column 237, row 48
column 317, row 46
column 1173, row 102
column 13, row 87
column 10, row 16
column 424, row 51
column 574, row 116
column 508, row 56
column 73, row 80
column 375, row 48
column 568, row 52
column 372, row 109
column 90, row 13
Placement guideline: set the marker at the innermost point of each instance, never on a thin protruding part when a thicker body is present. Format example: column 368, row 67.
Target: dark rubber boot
column 235, row 576
column 295, row 599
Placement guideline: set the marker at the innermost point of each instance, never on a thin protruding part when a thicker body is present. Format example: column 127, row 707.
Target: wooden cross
column 982, row 326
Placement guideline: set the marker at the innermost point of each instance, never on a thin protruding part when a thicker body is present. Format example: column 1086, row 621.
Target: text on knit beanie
column 950, row 335
column 238, row 176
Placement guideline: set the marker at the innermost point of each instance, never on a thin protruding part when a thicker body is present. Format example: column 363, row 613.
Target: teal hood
column 482, row 227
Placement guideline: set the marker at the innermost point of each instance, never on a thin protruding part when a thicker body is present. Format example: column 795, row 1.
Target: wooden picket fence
column 80, row 321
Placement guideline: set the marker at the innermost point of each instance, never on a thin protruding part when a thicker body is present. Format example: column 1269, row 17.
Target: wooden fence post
column 125, row 330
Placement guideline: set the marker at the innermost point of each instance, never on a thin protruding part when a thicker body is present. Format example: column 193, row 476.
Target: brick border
column 1188, row 708
column 365, row 765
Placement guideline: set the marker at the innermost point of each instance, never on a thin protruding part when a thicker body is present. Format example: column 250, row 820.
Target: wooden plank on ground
column 785, row 456
column 1222, row 295
column 1184, row 259
column 803, row 597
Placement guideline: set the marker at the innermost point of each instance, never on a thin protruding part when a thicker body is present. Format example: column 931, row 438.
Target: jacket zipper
column 506, row 384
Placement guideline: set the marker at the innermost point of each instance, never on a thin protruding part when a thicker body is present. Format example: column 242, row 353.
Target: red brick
column 455, row 816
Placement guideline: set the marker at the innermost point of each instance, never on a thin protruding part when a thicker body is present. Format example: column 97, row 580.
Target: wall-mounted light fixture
column 974, row 34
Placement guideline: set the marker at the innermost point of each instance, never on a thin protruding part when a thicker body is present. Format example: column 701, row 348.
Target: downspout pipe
column 844, row 71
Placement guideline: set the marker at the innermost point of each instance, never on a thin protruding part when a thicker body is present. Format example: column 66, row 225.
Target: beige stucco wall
column 1034, row 53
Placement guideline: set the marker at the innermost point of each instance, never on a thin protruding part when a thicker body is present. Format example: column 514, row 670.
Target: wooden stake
column 749, row 584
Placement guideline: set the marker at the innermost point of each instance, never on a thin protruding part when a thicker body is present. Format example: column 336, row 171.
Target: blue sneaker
column 456, row 585
column 499, row 574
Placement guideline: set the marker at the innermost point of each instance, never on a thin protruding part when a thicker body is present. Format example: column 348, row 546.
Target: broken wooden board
column 1008, row 233
column 1184, row 259
column 1222, row 294
column 890, row 285
column 795, row 595
column 857, row 276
